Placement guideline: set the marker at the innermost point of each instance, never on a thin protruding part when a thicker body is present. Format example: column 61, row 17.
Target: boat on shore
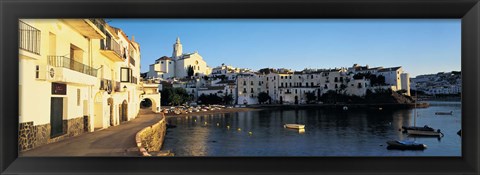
column 294, row 126
column 405, row 145
column 444, row 113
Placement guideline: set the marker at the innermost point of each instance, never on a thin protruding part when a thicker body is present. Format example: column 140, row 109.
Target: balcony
column 106, row 85
column 117, row 87
column 90, row 28
column 132, row 60
column 67, row 70
column 29, row 38
column 111, row 49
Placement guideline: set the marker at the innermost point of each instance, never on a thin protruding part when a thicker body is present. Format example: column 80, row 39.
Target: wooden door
column 56, row 116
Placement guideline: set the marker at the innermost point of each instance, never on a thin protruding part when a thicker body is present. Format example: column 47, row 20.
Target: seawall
column 150, row 139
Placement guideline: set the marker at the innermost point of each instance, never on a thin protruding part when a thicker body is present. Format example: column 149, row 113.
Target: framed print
column 308, row 87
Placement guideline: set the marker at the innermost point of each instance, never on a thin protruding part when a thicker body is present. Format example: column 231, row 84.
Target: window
column 336, row 86
column 251, row 83
column 244, row 90
column 290, row 84
column 281, row 85
column 290, row 77
column 295, row 91
column 311, row 76
column 169, row 62
column 251, row 90
column 244, row 83
column 161, row 62
column 125, row 74
column 37, row 71
column 311, row 84
column 306, row 84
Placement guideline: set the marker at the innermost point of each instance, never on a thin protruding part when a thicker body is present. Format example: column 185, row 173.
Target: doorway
column 56, row 116
column 124, row 111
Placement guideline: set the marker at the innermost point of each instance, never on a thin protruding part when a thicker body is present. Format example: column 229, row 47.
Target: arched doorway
column 146, row 103
column 110, row 103
column 296, row 99
column 123, row 111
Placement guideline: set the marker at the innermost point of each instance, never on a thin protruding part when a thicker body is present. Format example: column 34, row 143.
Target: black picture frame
column 466, row 10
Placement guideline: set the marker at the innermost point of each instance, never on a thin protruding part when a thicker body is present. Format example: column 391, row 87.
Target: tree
column 209, row 99
column 165, row 94
column 263, row 97
column 174, row 96
column 227, row 99
column 310, row 97
column 176, row 99
column 190, row 71
column 205, row 77
column 402, row 91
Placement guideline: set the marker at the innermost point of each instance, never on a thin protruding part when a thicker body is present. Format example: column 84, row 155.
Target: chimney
column 133, row 38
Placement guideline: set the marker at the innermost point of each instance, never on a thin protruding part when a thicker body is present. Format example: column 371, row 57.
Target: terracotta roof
column 164, row 58
column 389, row 69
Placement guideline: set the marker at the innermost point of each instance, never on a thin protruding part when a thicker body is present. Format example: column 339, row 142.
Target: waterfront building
column 292, row 87
column 177, row 65
column 76, row 76
column 442, row 83
column 395, row 78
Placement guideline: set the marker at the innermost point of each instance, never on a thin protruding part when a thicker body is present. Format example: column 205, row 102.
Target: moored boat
column 405, row 145
column 425, row 133
column 294, row 126
column 444, row 113
column 424, row 128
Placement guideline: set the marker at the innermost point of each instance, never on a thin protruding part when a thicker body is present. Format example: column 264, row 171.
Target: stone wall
column 31, row 136
column 151, row 138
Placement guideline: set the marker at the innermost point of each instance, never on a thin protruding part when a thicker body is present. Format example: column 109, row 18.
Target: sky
column 420, row 46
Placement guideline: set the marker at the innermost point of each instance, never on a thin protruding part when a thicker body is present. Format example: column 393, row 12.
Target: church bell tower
column 177, row 49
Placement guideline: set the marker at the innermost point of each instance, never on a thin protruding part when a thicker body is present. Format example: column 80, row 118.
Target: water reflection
column 327, row 133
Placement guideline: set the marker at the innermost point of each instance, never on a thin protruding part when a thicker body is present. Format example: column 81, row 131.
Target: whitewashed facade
column 177, row 65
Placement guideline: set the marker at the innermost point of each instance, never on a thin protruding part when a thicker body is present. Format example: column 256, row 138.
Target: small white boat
column 425, row 133
column 294, row 126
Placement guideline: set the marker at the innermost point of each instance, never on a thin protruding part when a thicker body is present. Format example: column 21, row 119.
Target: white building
column 287, row 87
column 76, row 76
column 177, row 66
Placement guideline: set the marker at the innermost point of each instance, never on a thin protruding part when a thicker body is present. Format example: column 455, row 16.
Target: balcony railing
column 112, row 45
column 61, row 61
column 29, row 38
column 134, row 80
column 98, row 23
column 106, row 85
column 132, row 61
column 117, row 86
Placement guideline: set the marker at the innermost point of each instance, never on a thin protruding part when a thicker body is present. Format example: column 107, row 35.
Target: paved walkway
column 113, row 141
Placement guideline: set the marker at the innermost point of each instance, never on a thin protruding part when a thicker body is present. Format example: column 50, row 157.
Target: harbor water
column 327, row 132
